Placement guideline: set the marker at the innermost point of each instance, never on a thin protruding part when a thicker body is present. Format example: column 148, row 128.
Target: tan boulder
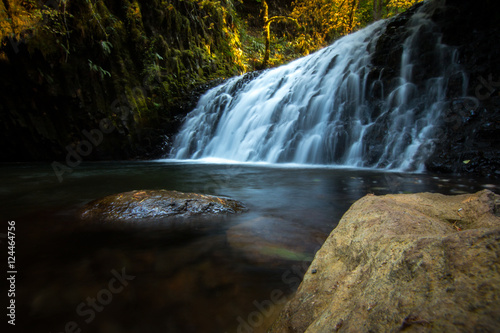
column 407, row 262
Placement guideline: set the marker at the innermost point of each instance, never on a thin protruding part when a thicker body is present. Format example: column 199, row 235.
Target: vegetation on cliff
column 87, row 79
column 67, row 65
column 325, row 20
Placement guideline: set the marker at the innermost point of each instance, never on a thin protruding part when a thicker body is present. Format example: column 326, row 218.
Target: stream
column 223, row 274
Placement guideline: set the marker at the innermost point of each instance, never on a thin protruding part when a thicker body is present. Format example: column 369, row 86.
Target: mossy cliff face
column 108, row 79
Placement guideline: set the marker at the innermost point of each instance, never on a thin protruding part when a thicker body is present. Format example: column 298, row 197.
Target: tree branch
column 280, row 18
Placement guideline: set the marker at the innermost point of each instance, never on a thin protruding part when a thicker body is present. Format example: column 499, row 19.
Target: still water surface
column 224, row 274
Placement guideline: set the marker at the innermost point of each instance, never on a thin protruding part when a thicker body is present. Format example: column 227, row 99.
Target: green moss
column 131, row 61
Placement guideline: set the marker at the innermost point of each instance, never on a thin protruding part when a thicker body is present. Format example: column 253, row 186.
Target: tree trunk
column 267, row 30
column 267, row 34
column 354, row 6
column 377, row 9
column 6, row 4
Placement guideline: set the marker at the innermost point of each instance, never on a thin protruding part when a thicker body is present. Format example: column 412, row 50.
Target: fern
column 106, row 47
column 98, row 69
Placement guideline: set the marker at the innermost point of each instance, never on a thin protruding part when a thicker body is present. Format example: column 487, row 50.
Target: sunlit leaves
column 19, row 18
column 398, row 6
column 44, row 27
column 324, row 20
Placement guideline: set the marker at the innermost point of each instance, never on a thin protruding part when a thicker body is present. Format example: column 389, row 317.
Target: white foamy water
column 323, row 109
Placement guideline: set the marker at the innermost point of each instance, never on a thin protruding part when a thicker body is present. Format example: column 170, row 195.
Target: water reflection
column 212, row 276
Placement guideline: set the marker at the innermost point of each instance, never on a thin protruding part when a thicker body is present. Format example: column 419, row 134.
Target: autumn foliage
column 309, row 24
column 326, row 20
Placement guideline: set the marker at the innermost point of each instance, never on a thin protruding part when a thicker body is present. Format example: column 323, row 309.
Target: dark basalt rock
column 389, row 47
column 470, row 140
column 157, row 204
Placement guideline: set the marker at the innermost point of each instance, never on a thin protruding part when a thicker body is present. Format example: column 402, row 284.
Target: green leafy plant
column 98, row 69
column 106, row 47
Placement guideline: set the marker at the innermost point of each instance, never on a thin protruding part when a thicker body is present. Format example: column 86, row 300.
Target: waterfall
column 333, row 107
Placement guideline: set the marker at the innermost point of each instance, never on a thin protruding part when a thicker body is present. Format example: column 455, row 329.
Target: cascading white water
column 324, row 109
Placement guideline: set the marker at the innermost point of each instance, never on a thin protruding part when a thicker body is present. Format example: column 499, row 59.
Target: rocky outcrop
column 157, row 204
column 409, row 262
column 136, row 64
column 470, row 142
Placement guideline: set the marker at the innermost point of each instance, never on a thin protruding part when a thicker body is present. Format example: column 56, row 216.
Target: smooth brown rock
column 158, row 204
column 409, row 262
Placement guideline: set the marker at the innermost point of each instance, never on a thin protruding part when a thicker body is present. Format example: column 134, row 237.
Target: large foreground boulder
column 158, row 204
column 409, row 262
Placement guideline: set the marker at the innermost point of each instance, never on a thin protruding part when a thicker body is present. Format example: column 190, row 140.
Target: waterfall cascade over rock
column 334, row 107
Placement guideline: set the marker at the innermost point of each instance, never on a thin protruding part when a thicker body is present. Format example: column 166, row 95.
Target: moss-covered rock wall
column 108, row 79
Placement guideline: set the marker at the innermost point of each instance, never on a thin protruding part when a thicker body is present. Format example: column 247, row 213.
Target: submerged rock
column 412, row 262
column 157, row 204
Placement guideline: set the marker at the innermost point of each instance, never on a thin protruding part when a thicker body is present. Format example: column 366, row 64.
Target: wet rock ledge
column 410, row 262
column 157, row 204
